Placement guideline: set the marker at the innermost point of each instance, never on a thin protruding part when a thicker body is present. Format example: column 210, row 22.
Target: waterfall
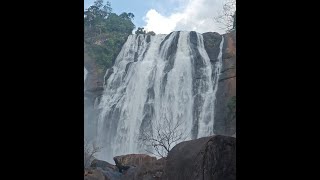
column 85, row 74
column 155, row 78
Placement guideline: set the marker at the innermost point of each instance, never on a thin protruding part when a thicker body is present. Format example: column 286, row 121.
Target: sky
column 165, row 16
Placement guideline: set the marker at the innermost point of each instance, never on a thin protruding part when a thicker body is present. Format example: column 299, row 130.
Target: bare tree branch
column 225, row 18
column 166, row 134
column 90, row 151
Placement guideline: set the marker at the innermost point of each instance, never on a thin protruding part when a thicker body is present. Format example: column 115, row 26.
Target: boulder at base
column 151, row 170
column 208, row 158
column 99, row 167
column 94, row 174
column 132, row 160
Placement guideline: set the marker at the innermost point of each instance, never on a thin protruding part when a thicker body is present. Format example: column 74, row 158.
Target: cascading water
column 85, row 74
column 157, row 77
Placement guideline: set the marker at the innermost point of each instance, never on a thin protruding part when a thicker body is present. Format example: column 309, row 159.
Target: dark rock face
column 211, row 42
column 103, row 165
column 225, row 117
column 94, row 78
column 139, row 167
column 93, row 90
column 97, row 173
column 126, row 70
column 171, row 53
column 133, row 160
column 94, row 174
column 209, row 158
column 101, row 168
column 148, row 109
column 152, row 170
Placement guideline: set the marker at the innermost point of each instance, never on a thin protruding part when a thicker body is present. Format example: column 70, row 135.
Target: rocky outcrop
column 102, row 170
column 225, row 113
column 209, row 158
column 138, row 167
column 103, row 165
column 133, row 160
column 94, row 80
column 225, row 118
column 93, row 86
column 211, row 41
column 151, row 170
column 94, row 174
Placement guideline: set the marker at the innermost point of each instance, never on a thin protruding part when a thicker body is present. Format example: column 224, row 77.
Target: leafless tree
column 164, row 136
column 226, row 17
column 90, row 151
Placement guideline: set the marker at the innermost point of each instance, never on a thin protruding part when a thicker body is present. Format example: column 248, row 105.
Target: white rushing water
column 157, row 77
column 85, row 74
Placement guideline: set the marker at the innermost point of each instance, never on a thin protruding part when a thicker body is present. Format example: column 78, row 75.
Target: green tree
column 140, row 31
column 105, row 33
column 151, row 33
column 128, row 16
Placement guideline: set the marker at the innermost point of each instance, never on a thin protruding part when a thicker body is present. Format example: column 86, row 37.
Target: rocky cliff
column 225, row 115
column 208, row 158
column 93, row 86
column 225, row 111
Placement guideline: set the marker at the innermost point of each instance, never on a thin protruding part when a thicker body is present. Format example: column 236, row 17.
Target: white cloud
column 196, row 15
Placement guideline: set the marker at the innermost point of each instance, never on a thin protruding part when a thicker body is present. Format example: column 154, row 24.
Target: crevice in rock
column 227, row 69
column 227, row 78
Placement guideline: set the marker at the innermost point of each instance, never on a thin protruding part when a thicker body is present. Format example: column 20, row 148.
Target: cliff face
column 94, row 82
column 93, row 90
column 225, row 115
column 225, row 119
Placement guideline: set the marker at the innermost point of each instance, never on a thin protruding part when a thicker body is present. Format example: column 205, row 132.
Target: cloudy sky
column 164, row 16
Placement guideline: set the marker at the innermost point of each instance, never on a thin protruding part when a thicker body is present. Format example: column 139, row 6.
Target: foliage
column 105, row 32
column 140, row 31
column 151, row 33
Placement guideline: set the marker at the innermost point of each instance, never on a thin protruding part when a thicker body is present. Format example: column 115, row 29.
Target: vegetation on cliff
column 105, row 32
column 226, row 19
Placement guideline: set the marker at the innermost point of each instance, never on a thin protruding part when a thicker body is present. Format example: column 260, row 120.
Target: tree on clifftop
column 105, row 33
column 226, row 18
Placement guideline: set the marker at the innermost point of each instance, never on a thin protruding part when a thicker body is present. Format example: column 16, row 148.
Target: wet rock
column 209, row 158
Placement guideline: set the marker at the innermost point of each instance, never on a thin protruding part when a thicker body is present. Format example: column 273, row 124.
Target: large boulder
column 146, row 171
column 109, row 171
column 94, row 174
column 133, row 160
column 208, row 158
column 103, row 165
